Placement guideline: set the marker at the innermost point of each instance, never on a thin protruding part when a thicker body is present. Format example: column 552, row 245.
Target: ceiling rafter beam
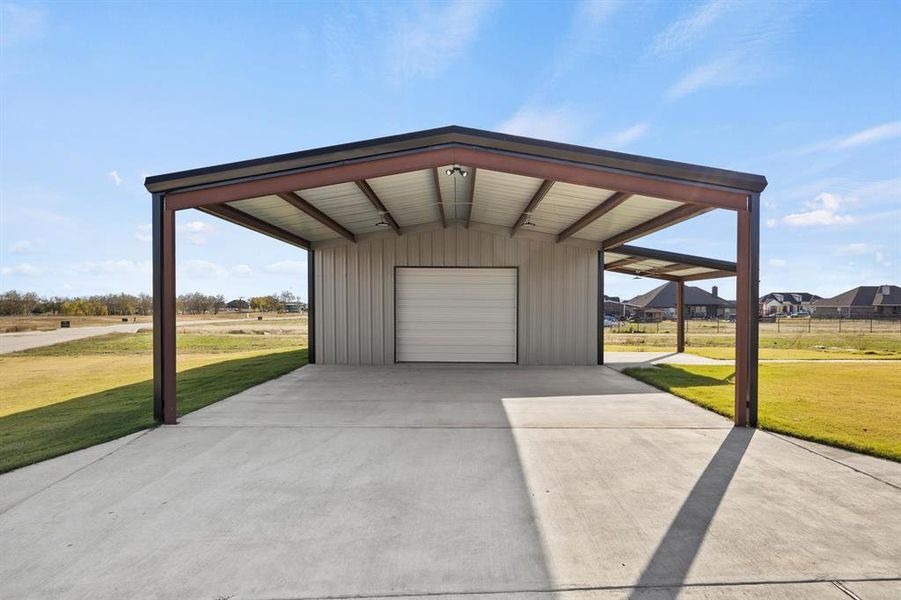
column 594, row 214
column 628, row 271
column 708, row 275
column 472, row 196
column 677, row 215
column 537, row 197
column 624, row 262
column 377, row 203
column 676, row 257
column 239, row 217
column 311, row 211
column 438, row 199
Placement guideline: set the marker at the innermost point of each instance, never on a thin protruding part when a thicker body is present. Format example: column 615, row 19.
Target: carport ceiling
column 671, row 266
column 402, row 182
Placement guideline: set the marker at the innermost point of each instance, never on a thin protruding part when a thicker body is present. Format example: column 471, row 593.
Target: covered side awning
column 460, row 177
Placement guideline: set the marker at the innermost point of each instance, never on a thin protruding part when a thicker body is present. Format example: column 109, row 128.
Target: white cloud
column 430, row 41
column 561, row 124
column 197, row 231
column 823, row 211
column 865, row 137
column 19, row 23
column 114, row 177
column 582, row 39
column 112, row 267
column 24, row 269
column 242, row 271
column 291, row 267
column 740, row 50
column 855, row 249
column 770, row 223
column 724, row 70
column 201, row 269
column 886, row 131
column 686, row 31
column 144, row 233
column 21, row 247
column 777, row 262
column 623, row 138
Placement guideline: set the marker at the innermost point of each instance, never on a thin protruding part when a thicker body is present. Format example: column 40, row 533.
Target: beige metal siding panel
column 557, row 295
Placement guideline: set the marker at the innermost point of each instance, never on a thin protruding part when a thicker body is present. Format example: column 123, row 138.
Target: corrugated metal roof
column 501, row 197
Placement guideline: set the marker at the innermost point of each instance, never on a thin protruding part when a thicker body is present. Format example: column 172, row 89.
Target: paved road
column 15, row 342
column 453, row 482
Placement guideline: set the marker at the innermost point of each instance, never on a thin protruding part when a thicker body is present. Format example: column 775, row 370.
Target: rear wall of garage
column 354, row 283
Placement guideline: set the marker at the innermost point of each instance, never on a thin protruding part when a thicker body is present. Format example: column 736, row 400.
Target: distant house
column 660, row 303
column 786, row 303
column 615, row 307
column 238, row 304
column 295, row 307
column 862, row 302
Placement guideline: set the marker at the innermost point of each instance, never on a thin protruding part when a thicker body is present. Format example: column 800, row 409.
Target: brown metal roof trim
column 455, row 136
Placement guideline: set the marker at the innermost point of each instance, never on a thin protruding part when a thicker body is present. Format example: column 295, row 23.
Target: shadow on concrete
column 679, row 547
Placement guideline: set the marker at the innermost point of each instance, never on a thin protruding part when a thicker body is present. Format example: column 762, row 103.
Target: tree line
column 15, row 303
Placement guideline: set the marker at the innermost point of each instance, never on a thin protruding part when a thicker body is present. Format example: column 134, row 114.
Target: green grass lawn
column 852, row 345
column 70, row 396
column 853, row 406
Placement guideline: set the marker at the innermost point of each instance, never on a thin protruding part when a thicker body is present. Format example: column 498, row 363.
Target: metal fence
column 767, row 326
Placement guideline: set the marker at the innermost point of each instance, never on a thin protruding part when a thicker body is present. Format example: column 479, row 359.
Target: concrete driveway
column 507, row 482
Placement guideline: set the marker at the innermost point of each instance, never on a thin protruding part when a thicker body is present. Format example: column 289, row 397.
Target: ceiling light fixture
column 528, row 222
column 382, row 222
column 456, row 169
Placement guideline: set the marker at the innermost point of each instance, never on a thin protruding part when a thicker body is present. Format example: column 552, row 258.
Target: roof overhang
column 345, row 192
column 670, row 266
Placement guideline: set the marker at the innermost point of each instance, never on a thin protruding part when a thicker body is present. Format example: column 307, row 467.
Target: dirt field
column 51, row 322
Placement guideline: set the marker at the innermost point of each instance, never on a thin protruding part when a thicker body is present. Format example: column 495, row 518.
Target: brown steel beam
column 600, row 312
column 668, row 189
column 680, row 316
column 505, row 162
column 311, row 211
column 677, row 215
column 472, row 196
column 708, row 275
column 537, row 197
column 438, row 199
column 746, row 294
column 675, row 257
column 377, row 203
column 594, row 214
column 239, row 217
column 164, row 408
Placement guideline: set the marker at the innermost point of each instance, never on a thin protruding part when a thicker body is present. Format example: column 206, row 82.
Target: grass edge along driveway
column 851, row 406
column 34, row 435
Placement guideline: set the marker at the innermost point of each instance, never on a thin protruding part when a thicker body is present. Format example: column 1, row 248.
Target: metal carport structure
column 450, row 185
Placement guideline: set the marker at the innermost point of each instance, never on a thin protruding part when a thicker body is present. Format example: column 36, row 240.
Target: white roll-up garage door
column 455, row 314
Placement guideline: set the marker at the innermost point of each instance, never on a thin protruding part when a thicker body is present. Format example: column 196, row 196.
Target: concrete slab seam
column 829, row 458
column 588, row 588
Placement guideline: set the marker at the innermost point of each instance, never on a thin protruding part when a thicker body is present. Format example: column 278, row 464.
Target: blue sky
column 94, row 97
